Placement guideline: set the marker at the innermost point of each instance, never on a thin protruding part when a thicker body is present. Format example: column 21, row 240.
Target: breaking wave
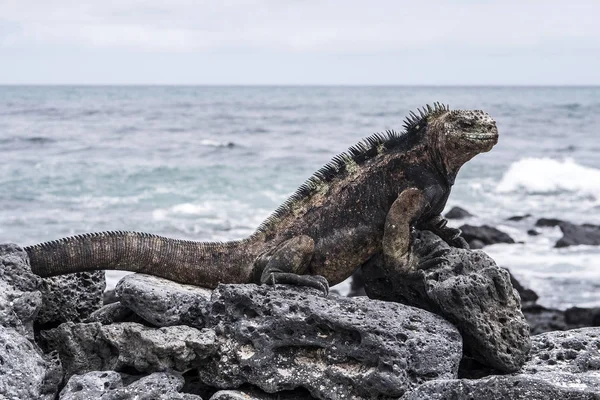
column 548, row 176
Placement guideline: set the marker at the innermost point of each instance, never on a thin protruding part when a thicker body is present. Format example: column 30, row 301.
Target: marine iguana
column 364, row 201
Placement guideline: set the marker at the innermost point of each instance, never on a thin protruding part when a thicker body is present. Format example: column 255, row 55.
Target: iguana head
column 457, row 136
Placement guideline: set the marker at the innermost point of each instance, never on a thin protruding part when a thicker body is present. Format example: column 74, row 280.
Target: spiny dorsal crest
column 415, row 122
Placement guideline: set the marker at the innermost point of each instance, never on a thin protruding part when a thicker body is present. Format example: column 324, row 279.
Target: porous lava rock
column 20, row 298
column 85, row 347
column 562, row 365
column 162, row 302
column 25, row 373
column 282, row 338
column 71, row 297
column 108, row 385
column 467, row 288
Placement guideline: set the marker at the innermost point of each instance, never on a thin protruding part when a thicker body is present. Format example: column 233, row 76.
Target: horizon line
column 496, row 85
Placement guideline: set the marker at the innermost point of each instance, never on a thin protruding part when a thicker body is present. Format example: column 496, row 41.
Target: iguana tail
column 194, row 263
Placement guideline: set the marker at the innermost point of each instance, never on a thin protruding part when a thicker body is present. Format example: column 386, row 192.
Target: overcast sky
column 300, row 42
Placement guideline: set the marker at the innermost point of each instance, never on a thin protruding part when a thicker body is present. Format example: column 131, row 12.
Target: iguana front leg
column 397, row 235
column 438, row 225
column 288, row 263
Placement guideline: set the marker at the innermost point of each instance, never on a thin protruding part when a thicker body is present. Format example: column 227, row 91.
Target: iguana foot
column 288, row 264
column 273, row 276
column 449, row 235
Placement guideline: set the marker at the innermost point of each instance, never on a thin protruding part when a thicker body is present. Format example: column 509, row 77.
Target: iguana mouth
column 482, row 137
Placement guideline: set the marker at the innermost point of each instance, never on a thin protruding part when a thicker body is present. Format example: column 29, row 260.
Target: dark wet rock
column 284, row 337
column 113, row 312
column 357, row 284
column 458, row 213
column 163, row 302
column 467, row 288
column 527, row 295
column 476, row 244
column 20, row 299
column 542, row 319
column 109, row 385
column 109, row 297
column 71, row 297
column 25, row 373
column 485, row 233
column 574, row 235
column 533, row 232
column 581, row 317
column 85, row 347
column 517, row 218
column 470, row 368
column 548, row 222
column 562, row 365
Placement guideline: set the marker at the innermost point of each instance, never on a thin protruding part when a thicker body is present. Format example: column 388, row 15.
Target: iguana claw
column 315, row 281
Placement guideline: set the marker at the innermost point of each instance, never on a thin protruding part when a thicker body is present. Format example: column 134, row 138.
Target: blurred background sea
column 210, row 163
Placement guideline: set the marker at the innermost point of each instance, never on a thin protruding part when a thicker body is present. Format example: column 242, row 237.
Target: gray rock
column 109, row 297
column 254, row 394
column 467, row 288
column 284, row 337
column 576, row 351
column 574, row 235
column 91, row 385
column 163, row 302
column 128, row 345
column 457, row 213
column 20, row 299
column 485, row 234
column 111, row 313
column 522, row 387
column 25, row 373
column 563, row 365
column 72, row 297
column 108, row 385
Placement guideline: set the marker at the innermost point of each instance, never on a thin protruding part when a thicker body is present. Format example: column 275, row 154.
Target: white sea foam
column 546, row 175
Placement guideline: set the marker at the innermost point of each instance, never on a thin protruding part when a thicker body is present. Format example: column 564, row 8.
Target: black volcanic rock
column 548, row 222
column 485, row 233
column 578, row 234
column 457, row 213
column 516, row 218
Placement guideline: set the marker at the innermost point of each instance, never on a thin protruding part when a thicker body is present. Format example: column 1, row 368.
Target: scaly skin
column 363, row 202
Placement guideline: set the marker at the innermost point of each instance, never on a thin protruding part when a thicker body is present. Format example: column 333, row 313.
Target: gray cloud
column 461, row 37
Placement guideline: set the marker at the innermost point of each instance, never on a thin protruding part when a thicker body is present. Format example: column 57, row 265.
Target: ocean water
column 210, row 163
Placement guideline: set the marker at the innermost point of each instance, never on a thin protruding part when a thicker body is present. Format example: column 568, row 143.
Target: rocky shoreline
column 468, row 338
